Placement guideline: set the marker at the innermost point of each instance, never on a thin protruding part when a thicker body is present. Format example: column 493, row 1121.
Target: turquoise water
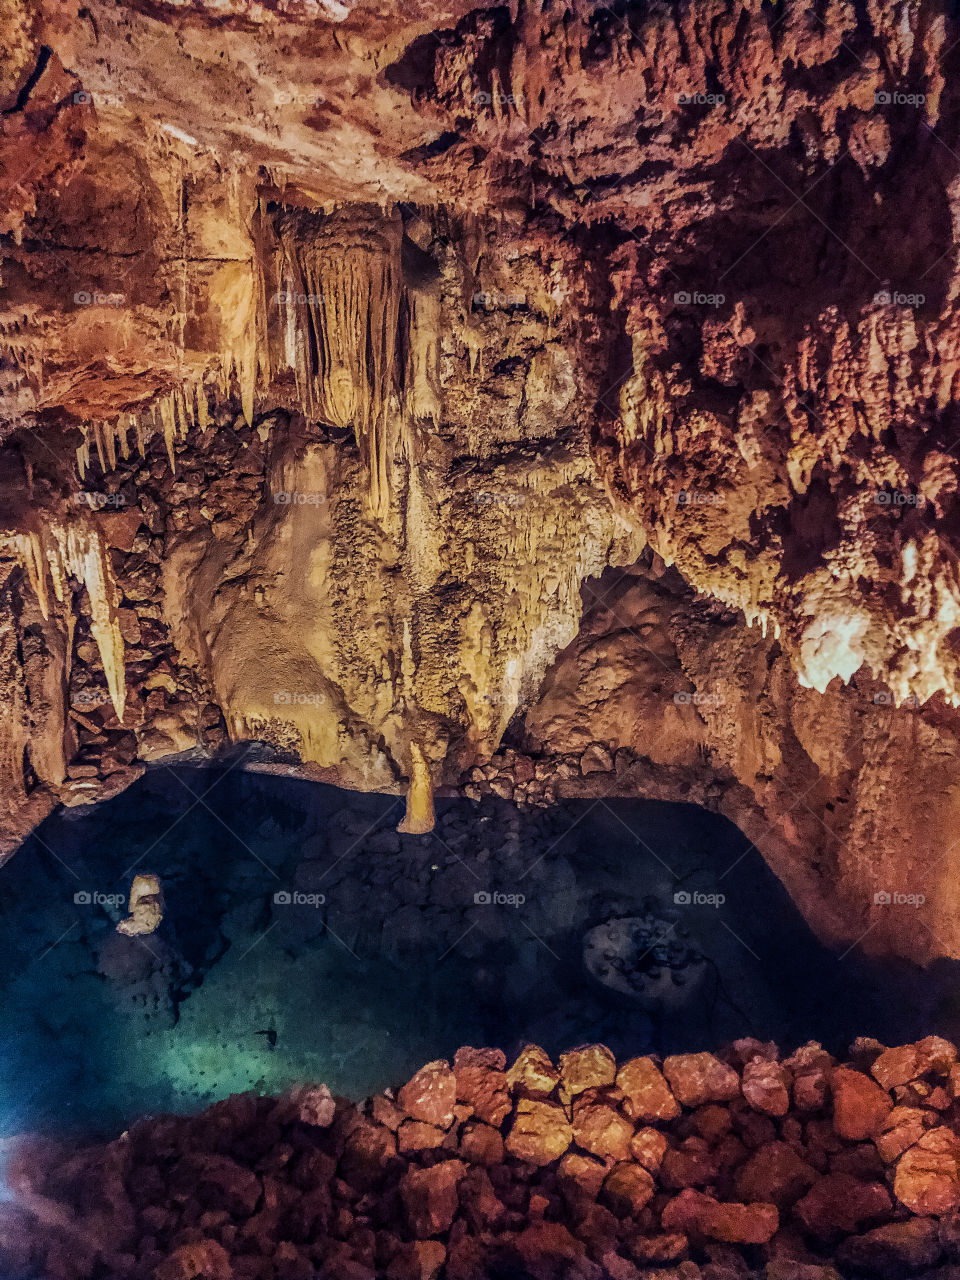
column 401, row 962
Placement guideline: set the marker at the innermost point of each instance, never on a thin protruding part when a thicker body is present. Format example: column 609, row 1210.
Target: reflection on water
column 304, row 939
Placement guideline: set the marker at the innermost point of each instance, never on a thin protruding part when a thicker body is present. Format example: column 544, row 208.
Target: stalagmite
column 146, row 907
column 419, row 817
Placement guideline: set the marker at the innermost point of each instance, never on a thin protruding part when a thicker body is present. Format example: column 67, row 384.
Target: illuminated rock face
column 340, row 348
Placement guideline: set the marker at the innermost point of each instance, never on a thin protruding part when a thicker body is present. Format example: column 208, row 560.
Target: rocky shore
column 700, row 1167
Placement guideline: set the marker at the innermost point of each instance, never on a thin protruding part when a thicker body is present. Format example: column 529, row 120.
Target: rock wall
column 700, row 1167
column 340, row 348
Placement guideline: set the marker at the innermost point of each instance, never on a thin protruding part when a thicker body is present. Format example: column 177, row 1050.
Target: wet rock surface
column 261, row 1188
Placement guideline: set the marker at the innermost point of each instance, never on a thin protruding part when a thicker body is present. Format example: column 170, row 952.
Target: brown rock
column 430, row 1197
column 648, row 1146
column 896, row 1066
column 533, row 1072
column 840, row 1203
column 431, row 1095
column 547, row 1249
column 582, row 1173
column 590, row 1067
column 414, row 1135
column 601, row 1130
column 689, row 1165
column 481, row 1206
column 647, row 1095
column 860, row 1106
column 895, row 1249
column 369, row 1148
column 482, row 1083
column 540, row 1132
column 626, row 1189
column 712, row 1122
column 696, row 1078
column 659, row 1248
column 766, row 1086
column 694, row 1213
column 928, row 1175
column 481, row 1144
column 775, row 1173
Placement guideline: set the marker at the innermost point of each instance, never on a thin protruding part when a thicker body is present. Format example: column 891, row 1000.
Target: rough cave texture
column 699, row 1167
column 394, row 384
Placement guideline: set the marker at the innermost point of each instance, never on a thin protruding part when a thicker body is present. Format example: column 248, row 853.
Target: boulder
column 590, row 1067
column 648, row 1146
column 841, row 1204
column 928, row 1174
column 696, row 1214
column 601, row 1130
column 626, row 1189
column 481, row 1144
column 766, row 1086
column 540, row 1132
column 696, row 1078
column 430, row 1197
column 893, row 1250
column 482, row 1083
column 860, row 1106
column 647, row 1096
column 533, row 1073
column 431, row 1095
column 775, row 1173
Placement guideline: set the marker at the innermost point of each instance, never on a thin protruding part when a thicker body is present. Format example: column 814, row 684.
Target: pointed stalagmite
column 419, row 818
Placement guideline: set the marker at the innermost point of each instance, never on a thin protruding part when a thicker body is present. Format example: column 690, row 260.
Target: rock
column 547, row 1249
column 649, row 1250
column 689, row 1165
column 206, row 1258
column 482, row 1083
column 368, row 1150
column 928, row 1174
column 431, row 1095
column 481, row 1144
column 596, row 759
column 893, row 1250
column 601, row 1130
column 694, row 1213
column 430, row 1197
column 896, row 1066
column 696, row 1078
column 540, row 1132
column 766, row 1086
column 626, row 1189
column 315, row 1105
column 583, row 1173
column 840, row 1203
column 902, row 1128
column 648, row 1146
column 533, row 1072
column 589, row 1067
column 775, row 1173
column 414, row 1135
column 860, row 1106
column 647, row 1095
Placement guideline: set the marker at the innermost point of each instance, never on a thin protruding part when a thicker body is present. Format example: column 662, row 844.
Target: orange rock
column 431, row 1095
column 626, row 1189
column 540, row 1132
column 696, row 1078
column 601, row 1130
column 860, row 1106
column 414, row 1135
column 589, row 1067
column 841, row 1203
column 775, row 1173
column 647, row 1146
column 481, row 1144
column 694, row 1213
column 896, row 1066
column 482, row 1083
column 928, row 1174
column 689, row 1165
column 647, row 1095
column 533, row 1072
column 582, row 1173
column 430, row 1197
